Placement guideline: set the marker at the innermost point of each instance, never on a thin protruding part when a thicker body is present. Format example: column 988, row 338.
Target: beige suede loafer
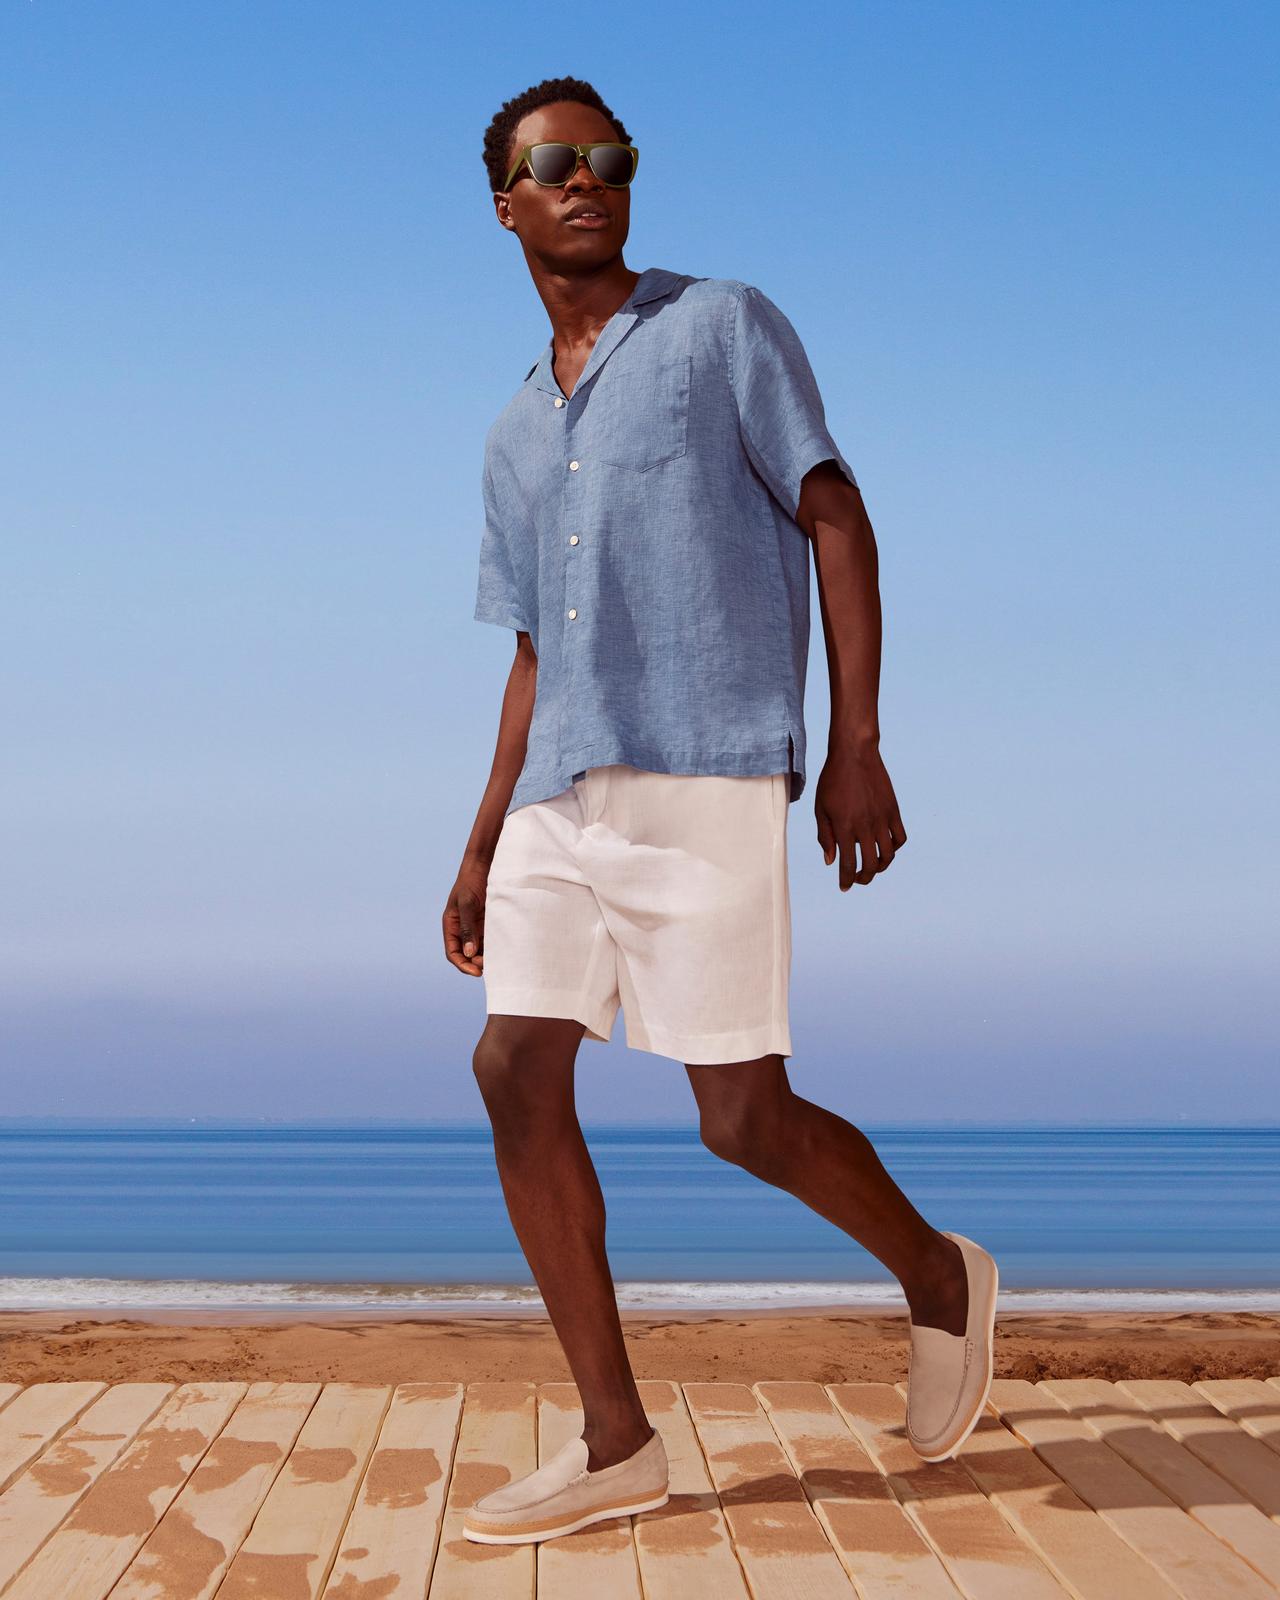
column 562, row 1496
column 950, row 1373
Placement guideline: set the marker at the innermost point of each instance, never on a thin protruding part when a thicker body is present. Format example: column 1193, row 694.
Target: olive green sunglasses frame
column 581, row 150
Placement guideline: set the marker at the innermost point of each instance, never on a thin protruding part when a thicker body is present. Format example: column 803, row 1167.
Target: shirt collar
column 653, row 284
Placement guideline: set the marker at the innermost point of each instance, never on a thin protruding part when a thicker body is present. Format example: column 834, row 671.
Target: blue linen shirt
column 642, row 531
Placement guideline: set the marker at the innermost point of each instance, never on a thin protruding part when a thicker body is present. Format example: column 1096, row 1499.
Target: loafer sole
column 551, row 1527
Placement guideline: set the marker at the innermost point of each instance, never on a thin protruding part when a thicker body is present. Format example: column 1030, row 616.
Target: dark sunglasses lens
column 553, row 163
column 612, row 163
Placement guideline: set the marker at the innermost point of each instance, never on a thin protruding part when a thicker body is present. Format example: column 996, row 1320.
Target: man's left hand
column 857, row 812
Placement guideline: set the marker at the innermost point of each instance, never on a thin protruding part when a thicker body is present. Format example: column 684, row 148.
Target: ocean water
column 412, row 1217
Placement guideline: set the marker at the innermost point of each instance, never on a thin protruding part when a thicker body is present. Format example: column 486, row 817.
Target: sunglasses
column 552, row 163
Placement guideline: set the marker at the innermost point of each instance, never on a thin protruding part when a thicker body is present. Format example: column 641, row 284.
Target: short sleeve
column 780, row 412
column 498, row 597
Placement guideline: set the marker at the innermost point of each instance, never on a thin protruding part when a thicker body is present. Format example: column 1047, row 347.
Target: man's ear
column 502, row 207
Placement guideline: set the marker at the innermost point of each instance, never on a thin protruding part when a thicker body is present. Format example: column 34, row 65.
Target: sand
column 828, row 1346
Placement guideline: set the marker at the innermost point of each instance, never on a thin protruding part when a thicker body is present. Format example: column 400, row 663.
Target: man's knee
column 493, row 1062
column 741, row 1109
column 742, row 1130
column 524, row 1070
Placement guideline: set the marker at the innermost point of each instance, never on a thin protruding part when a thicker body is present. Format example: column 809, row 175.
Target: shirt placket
column 574, row 536
column 573, row 619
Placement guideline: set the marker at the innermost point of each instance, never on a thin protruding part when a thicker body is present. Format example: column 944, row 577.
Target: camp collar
column 652, row 284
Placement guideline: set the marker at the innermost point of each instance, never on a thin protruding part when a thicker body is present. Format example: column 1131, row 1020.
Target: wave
column 180, row 1294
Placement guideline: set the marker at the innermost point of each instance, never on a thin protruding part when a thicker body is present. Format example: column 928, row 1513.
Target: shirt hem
column 503, row 619
column 780, row 756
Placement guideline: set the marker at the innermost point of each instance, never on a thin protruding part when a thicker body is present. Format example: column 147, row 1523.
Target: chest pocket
column 640, row 417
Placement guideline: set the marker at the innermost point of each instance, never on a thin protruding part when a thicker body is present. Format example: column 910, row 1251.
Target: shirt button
column 559, row 402
column 573, row 538
column 573, row 615
column 573, row 466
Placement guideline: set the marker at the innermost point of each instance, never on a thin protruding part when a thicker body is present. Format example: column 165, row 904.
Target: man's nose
column 582, row 174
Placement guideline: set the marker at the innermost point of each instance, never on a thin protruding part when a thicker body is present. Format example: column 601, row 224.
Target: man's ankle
column 940, row 1276
column 614, row 1442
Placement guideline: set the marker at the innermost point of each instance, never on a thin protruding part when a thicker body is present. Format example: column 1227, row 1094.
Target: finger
column 848, row 861
column 826, row 837
column 898, row 831
column 453, row 947
column 471, row 924
column 455, row 958
column 870, row 859
column 887, row 848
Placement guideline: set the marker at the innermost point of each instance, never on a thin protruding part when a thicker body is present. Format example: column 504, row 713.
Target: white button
column 573, row 466
column 573, row 615
column 559, row 402
column 573, row 538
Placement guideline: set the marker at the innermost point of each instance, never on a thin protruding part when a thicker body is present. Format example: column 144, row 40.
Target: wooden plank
column 1251, row 1402
column 194, row 1542
column 35, row 1504
column 1087, row 1557
column 597, row 1560
column 882, row 1549
column 496, row 1443
column 778, row 1540
column 1202, row 1493
column 34, row 1418
column 9, row 1391
column 108, row 1526
column 1192, row 1560
column 389, row 1544
column 684, row 1547
column 295, row 1535
column 984, row 1555
column 1245, row 1462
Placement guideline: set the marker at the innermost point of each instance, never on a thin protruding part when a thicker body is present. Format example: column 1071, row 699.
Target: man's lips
column 589, row 219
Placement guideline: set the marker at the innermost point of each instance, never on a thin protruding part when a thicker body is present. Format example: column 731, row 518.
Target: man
column 651, row 493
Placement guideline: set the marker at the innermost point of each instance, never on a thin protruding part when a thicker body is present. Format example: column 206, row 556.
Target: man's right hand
column 464, row 920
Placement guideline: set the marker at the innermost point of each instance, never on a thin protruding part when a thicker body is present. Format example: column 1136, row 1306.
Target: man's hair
column 498, row 135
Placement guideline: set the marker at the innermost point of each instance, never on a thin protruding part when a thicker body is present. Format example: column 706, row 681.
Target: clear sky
column 257, row 316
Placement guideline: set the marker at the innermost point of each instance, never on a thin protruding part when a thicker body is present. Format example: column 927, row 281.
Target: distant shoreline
column 180, row 1299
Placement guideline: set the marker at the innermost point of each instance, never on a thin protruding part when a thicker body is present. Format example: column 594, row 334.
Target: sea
column 211, row 1217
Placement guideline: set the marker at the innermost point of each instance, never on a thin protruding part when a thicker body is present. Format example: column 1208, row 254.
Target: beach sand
column 822, row 1345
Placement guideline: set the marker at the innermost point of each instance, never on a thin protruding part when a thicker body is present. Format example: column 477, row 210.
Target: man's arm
column 464, row 911
column 854, row 799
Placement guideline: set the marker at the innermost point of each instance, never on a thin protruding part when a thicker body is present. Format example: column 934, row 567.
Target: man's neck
column 579, row 307
column 579, row 304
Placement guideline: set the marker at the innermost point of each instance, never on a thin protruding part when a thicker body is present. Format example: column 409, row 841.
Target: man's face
column 540, row 214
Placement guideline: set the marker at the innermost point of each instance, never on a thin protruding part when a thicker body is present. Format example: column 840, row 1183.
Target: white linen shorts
column 665, row 893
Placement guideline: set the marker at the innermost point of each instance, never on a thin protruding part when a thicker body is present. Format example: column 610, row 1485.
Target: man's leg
column 751, row 1116
column 524, row 1066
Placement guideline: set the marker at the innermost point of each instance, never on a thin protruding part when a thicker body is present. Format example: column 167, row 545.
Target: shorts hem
column 565, row 1003
column 710, row 1049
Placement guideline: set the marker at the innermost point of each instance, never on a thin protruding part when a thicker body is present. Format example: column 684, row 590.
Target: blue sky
column 257, row 316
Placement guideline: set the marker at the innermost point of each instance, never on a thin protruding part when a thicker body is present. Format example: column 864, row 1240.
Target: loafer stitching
column 968, row 1362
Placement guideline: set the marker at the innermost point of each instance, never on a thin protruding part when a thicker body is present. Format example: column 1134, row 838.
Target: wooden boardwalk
column 1139, row 1490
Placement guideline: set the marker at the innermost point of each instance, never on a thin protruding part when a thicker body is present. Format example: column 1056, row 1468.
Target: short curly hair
column 498, row 135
